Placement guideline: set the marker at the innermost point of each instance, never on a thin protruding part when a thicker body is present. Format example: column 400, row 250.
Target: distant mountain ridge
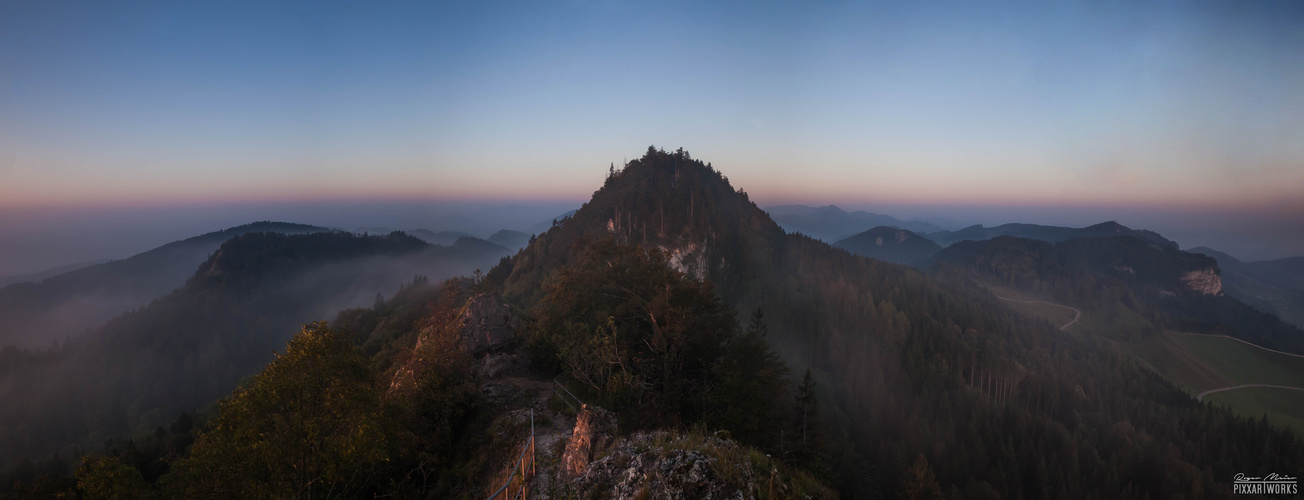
column 545, row 225
column 445, row 238
column 1170, row 288
column 512, row 240
column 65, row 305
column 891, row 244
column 830, row 223
column 1050, row 234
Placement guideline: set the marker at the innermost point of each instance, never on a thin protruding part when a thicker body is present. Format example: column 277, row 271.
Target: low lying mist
column 185, row 350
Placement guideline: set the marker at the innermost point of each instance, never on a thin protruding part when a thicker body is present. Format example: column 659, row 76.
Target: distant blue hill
column 444, row 238
column 890, row 244
column 1050, row 234
column 831, row 224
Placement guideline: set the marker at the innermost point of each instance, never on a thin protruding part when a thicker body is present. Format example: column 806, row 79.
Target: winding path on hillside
column 1201, row 396
column 1221, row 389
column 1076, row 312
column 1241, row 341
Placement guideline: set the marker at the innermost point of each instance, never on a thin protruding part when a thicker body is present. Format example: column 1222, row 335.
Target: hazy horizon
column 1181, row 118
column 37, row 239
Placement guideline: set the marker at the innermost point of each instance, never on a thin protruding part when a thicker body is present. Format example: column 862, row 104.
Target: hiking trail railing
column 517, row 484
column 563, row 392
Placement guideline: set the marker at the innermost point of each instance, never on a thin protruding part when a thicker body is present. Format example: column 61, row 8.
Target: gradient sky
column 1161, row 106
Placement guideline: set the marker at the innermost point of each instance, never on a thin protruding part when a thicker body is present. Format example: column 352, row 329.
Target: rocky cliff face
column 430, row 345
column 688, row 258
column 1206, row 281
column 483, row 323
column 487, row 322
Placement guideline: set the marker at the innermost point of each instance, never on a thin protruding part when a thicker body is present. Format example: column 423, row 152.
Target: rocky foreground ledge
column 665, row 465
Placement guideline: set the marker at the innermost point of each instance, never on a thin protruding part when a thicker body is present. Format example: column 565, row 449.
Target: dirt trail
column 1241, row 341
column 1201, row 396
column 1076, row 312
column 546, row 436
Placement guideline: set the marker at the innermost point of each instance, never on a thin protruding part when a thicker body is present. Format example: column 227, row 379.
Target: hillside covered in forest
column 722, row 347
column 187, row 348
column 911, row 363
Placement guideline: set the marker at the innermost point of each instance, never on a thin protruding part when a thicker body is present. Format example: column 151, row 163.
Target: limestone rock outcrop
column 594, row 430
column 1206, row 281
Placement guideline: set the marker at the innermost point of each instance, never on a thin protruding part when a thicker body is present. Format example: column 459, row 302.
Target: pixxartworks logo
column 1271, row 484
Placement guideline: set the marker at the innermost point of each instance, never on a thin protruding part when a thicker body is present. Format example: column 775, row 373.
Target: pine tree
column 749, row 385
column 920, row 483
column 807, row 416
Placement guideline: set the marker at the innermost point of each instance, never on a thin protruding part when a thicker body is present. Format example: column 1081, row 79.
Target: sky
column 1184, row 117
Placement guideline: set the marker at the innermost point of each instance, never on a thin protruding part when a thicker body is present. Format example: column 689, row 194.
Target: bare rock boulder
column 595, row 428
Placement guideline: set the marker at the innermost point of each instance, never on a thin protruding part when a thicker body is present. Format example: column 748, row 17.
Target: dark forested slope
column 909, row 364
column 1168, row 287
column 911, row 382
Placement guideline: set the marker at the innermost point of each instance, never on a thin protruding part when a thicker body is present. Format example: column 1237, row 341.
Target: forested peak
column 251, row 256
column 1110, row 226
column 665, row 162
column 269, row 226
column 664, row 199
column 672, row 171
column 967, row 250
column 669, row 199
column 256, row 227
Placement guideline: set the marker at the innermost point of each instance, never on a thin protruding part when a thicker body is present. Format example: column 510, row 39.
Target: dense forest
column 878, row 379
column 385, row 401
column 910, row 363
